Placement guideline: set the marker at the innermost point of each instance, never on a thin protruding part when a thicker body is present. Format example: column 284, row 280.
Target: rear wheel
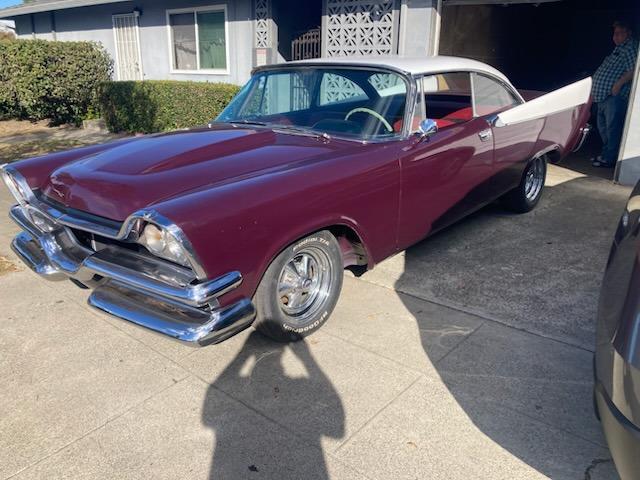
column 300, row 288
column 527, row 194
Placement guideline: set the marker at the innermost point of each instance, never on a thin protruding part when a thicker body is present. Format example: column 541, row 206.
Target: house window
column 198, row 39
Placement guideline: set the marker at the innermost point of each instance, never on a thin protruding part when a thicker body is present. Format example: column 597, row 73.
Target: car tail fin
column 565, row 98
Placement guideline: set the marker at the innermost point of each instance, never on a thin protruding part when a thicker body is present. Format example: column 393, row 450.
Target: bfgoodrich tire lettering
column 300, row 288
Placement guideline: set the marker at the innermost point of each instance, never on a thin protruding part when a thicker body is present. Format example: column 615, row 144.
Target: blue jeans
column 611, row 115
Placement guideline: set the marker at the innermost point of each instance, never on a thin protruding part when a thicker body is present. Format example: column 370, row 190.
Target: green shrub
column 157, row 105
column 54, row 80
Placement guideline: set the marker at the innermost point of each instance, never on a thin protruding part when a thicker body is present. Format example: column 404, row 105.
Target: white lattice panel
column 360, row 27
column 262, row 9
column 128, row 61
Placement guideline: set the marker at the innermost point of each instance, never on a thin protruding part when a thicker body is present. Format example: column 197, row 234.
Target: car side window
column 447, row 99
column 490, row 96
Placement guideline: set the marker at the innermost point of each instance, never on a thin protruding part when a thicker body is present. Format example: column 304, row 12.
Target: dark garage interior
column 539, row 46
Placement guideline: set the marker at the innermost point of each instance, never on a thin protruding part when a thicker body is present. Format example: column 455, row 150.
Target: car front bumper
column 623, row 437
column 151, row 293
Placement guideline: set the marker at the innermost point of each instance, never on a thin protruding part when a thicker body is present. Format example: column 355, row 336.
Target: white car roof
column 412, row 65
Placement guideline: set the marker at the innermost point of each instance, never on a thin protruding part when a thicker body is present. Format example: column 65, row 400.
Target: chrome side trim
column 187, row 324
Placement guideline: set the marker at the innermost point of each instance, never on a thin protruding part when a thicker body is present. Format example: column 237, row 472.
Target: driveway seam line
column 377, row 354
column 375, row 415
column 483, row 316
column 99, row 427
column 460, row 342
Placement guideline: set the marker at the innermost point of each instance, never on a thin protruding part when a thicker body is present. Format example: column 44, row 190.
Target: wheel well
column 552, row 154
column 354, row 254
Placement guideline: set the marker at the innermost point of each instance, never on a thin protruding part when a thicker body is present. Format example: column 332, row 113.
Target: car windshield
column 347, row 102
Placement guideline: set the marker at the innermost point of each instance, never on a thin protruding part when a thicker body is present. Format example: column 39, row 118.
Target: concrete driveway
column 468, row 356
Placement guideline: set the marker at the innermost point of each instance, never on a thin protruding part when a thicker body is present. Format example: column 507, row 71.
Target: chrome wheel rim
column 534, row 179
column 304, row 284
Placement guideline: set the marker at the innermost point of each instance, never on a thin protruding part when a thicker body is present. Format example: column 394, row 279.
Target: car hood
column 118, row 181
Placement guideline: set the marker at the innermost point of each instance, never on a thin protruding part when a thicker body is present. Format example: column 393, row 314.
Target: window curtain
column 212, row 40
column 184, row 41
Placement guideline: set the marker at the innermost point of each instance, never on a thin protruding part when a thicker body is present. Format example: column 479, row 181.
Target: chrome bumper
column 157, row 295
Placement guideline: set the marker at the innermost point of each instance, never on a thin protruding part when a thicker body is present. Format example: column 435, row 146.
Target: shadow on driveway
column 304, row 400
column 540, row 273
column 504, row 393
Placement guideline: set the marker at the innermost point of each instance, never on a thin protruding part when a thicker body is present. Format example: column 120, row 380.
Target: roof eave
column 26, row 9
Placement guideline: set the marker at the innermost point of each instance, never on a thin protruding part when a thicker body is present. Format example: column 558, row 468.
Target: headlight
column 162, row 244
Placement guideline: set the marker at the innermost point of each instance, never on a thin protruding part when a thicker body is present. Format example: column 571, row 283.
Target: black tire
column 527, row 194
column 286, row 313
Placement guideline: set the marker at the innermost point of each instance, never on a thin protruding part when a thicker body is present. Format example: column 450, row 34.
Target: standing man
column 611, row 88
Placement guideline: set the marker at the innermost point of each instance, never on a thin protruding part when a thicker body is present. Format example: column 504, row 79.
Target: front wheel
column 527, row 194
column 300, row 288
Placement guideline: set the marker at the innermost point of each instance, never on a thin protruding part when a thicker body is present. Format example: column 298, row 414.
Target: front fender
column 244, row 225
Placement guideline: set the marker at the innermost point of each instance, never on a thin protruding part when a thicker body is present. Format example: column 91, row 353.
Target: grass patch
column 16, row 151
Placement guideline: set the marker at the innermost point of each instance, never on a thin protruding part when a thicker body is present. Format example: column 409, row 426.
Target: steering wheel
column 373, row 113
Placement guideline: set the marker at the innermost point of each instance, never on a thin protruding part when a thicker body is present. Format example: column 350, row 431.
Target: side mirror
column 427, row 128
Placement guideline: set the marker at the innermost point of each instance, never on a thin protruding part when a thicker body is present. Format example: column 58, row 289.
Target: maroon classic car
column 314, row 167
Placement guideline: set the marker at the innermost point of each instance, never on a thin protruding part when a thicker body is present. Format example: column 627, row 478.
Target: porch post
column 264, row 33
column 419, row 27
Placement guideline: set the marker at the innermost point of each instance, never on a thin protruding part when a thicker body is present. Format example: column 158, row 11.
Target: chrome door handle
column 485, row 135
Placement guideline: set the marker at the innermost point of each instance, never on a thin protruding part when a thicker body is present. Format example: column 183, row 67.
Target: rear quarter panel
column 563, row 129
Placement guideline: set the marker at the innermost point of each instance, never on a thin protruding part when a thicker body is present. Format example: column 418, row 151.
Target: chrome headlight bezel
column 16, row 184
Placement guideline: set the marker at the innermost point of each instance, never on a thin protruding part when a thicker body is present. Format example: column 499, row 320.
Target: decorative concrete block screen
column 262, row 23
column 360, row 27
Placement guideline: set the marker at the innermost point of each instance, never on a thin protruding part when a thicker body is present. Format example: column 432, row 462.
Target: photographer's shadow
column 292, row 403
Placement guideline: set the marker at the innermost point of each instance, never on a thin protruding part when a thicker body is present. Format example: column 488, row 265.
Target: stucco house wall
column 412, row 30
column 95, row 23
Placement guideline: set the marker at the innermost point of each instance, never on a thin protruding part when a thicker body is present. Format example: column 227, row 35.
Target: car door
column 513, row 144
column 445, row 175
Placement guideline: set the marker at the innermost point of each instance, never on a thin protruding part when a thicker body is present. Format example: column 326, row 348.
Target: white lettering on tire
column 309, row 240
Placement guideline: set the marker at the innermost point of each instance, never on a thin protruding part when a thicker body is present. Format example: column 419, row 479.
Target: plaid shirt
column 622, row 59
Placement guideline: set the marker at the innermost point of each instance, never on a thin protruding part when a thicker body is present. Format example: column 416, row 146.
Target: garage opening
column 299, row 35
column 539, row 45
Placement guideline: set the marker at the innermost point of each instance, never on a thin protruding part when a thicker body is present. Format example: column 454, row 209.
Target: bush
column 54, row 80
column 157, row 105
